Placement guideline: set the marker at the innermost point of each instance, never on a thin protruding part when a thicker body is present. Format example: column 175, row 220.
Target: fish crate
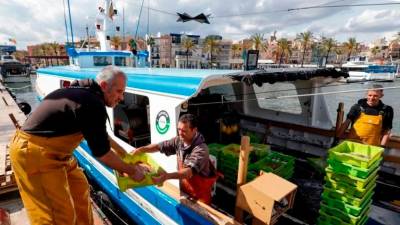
column 273, row 165
column 356, row 154
column 350, row 190
column 343, row 216
column 344, row 207
column 346, row 197
column 348, row 169
column 215, row 149
column 325, row 219
column 349, row 179
column 260, row 151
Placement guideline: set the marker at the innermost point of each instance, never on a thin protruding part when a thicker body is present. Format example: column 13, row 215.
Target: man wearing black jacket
column 53, row 188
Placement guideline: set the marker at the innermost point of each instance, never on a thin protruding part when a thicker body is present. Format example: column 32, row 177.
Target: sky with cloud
column 35, row 21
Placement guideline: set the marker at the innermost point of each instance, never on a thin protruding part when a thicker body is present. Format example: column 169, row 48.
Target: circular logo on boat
column 162, row 122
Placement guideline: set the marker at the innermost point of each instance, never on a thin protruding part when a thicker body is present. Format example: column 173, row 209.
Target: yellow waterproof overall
column 52, row 187
column 367, row 128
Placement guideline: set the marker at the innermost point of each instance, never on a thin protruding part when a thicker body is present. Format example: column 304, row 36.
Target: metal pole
column 65, row 22
column 70, row 24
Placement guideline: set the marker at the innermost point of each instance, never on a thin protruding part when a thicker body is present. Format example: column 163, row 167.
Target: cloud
column 374, row 21
column 37, row 21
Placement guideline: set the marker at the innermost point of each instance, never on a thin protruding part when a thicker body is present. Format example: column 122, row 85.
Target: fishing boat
column 360, row 69
column 12, row 70
column 281, row 107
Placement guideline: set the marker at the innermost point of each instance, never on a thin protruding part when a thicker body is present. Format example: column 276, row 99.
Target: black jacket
column 78, row 108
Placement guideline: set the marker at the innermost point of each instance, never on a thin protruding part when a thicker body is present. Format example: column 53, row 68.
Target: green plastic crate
column 268, row 164
column 356, row 154
column 260, row 151
column 215, row 149
column 349, row 179
column 351, row 190
column 355, row 171
column 346, row 197
column 343, row 216
column 325, row 219
column 231, row 149
column 349, row 209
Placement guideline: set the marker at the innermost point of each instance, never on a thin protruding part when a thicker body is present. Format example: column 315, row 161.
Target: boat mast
column 103, row 23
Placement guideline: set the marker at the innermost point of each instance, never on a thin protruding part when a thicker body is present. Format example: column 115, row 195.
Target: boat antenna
column 70, row 24
column 138, row 22
column 65, row 22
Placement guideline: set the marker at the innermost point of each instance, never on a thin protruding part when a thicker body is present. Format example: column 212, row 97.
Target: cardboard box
column 266, row 197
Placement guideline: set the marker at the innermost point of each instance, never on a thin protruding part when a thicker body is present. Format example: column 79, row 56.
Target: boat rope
column 138, row 22
column 337, row 92
column 292, row 96
column 19, row 88
column 288, row 10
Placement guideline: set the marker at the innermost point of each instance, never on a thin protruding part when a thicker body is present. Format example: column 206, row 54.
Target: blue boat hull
column 177, row 212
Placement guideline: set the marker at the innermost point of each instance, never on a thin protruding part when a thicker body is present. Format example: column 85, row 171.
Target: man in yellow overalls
column 53, row 188
column 371, row 119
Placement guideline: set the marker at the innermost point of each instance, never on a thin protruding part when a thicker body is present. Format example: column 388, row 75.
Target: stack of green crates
column 214, row 149
column 275, row 162
column 349, row 183
column 261, row 158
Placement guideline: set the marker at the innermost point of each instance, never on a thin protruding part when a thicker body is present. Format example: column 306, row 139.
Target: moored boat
column 360, row 69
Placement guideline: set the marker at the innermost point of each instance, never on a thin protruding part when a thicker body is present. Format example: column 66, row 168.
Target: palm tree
column 116, row 41
column 339, row 52
column 350, row 45
column 375, row 50
column 284, row 49
column 211, row 45
column 258, row 40
column 306, row 39
column 235, row 49
column 328, row 44
column 188, row 45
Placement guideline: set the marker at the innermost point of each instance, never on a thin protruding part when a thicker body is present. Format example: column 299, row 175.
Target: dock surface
column 9, row 197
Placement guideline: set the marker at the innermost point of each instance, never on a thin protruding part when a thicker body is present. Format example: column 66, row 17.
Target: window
column 267, row 97
column 120, row 61
column 102, row 60
column 131, row 120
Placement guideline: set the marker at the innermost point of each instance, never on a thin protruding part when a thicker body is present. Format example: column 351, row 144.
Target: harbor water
column 26, row 92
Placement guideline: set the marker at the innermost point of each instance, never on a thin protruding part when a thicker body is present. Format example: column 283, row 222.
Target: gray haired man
column 53, row 188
